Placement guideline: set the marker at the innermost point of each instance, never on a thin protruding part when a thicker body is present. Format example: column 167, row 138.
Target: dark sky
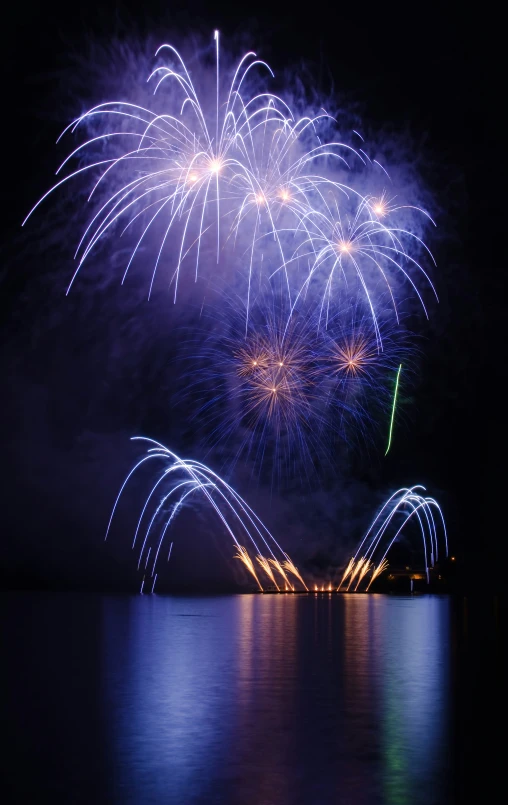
column 70, row 404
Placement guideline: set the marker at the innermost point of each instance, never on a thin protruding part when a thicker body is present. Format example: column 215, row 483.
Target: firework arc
column 402, row 507
column 175, row 482
column 179, row 478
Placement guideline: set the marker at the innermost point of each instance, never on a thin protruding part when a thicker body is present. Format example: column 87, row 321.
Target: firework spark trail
column 377, row 572
column 363, row 572
column 353, row 357
column 421, row 505
column 418, row 505
column 267, row 569
column 346, row 573
column 283, row 394
column 393, row 408
column 231, row 509
column 400, row 493
column 404, row 504
column 354, row 370
column 278, row 566
column 290, row 568
column 356, row 570
column 243, row 555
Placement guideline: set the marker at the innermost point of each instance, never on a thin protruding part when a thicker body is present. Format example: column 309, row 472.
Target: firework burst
column 211, row 164
column 232, row 170
column 257, row 395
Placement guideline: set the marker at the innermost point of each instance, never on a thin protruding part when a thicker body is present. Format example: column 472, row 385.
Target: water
column 234, row 700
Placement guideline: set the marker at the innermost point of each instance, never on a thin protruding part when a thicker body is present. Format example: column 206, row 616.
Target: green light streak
column 393, row 409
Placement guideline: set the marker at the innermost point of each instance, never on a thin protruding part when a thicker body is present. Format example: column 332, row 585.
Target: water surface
column 234, row 700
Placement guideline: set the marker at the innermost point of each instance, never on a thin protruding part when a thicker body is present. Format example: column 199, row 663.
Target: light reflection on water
column 280, row 699
column 255, row 700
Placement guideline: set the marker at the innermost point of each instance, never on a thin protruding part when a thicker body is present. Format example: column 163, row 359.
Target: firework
column 243, row 555
column 363, row 572
column 290, row 568
column 353, row 356
column 377, row 572
column 228, row 174
column 242, row 158
column 355, row 371
column 176, row 481
column 357, row 570
column 393, row 408
column 281, row 392
column 361, row 247
column 404, row 505
column 280, row 569
column 259, row 394
column 216, row 164
column 265, row 564
column 348, row 570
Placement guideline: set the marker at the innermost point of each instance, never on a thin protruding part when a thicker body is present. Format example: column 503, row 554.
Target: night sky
column 83, row 373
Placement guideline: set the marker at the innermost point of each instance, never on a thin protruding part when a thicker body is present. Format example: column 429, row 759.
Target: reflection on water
column 415, row 674
column 255, row 700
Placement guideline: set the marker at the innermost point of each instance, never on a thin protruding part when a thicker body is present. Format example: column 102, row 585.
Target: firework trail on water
column 237, row 169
